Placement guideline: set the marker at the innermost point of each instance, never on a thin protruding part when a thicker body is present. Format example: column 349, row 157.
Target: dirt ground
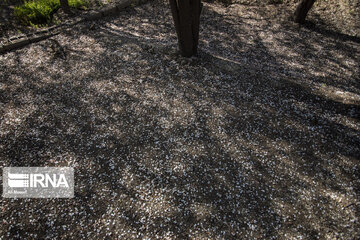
column 255, row 138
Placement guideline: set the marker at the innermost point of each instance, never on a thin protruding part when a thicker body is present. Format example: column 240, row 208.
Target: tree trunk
column 302, row 10
column 65, row 6
column 186, row 15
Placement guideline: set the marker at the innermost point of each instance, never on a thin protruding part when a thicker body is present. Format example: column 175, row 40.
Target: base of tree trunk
column 186, row 15
column 64, row 4
column 302, row 10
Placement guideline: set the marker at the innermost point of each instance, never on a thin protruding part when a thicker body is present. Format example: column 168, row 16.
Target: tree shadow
column 319, row 28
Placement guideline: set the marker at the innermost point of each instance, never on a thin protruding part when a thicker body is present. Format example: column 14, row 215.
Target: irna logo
column 16, row 180
column 38, row 182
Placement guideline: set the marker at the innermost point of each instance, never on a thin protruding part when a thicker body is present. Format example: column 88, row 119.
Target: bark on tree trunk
column 302, row 10
column 65, row 6
column 186, row 15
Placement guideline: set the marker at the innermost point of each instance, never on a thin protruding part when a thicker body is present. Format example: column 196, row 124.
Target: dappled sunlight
column 336, row 94
column 13, row 117
column 104, row 87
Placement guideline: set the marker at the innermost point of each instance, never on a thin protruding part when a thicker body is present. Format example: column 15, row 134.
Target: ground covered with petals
column 255, row 138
